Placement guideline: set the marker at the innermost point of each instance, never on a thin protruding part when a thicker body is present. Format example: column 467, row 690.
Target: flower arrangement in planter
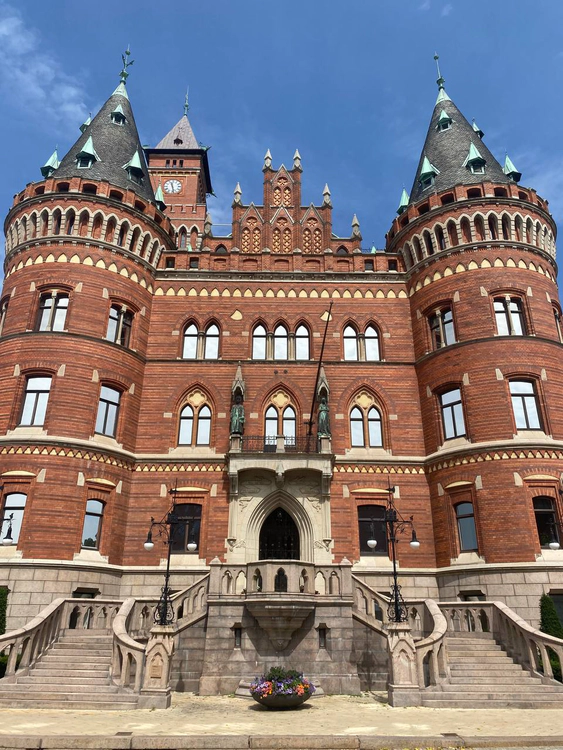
column 281, row 688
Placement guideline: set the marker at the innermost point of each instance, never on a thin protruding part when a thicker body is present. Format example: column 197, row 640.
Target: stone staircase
column 73, row 674
column 484, row 676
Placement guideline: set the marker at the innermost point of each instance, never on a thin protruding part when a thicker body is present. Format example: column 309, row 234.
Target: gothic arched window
column 190, row 342
column 365, row 428
column 302, row 342
column 350, row 344
column 280, row 342
column 372, row 344
column 259, row 342
column 211, row 338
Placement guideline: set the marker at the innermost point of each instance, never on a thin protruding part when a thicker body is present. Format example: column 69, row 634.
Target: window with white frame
column 53, row 308
column 302, row 347
column 442, row 329
column 36, row 397
column 120, row 321
column 525, row 405
column 14, row 507
column 259, row 339
column 280, row 342
column 452, row 414
column 365, row 427
column 211, row 342
column 351, row 352
column 92, row 528
column 195, row 425
column 189, row 350
column 509, row 316
column 108, row 411
column 466, row 530
column 280, row 421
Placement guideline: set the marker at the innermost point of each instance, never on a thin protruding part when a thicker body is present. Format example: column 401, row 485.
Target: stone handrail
column 31, row 641
column 370, row 607
column 524, row 643
column 190, row 605
column 431, row 654
column 128, row 654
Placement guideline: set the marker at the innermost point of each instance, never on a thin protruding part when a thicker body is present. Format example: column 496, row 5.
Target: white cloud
column 33, row 80
column 447, row 9
column 425, row 5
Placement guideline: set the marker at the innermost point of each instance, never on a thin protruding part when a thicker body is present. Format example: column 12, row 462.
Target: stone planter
column 283, row 702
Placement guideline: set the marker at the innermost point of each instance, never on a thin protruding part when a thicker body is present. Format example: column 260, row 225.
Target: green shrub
column 551, row 625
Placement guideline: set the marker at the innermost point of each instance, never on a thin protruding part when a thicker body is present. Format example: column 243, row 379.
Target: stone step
column 480, row 657
column 78, row 672
column 79, row 653
column 473, row 645
column 46, row 678
column 12, row 693
column 58, row 658
column 499, row 679
column 60, row 687
column 493, row 695
column 491, row 703
column 536, row 688
column 93, row 705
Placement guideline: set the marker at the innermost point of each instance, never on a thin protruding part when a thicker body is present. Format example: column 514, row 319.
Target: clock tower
column 179, row 171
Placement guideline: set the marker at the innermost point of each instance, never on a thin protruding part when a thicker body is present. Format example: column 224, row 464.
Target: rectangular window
column 119, row 325
column 52, row 312
column 452, row 414
column 372, row 528
column 35, row 401
column 108, row 411
column 509, row 316
column 466, row 527
column 546, row 521
column 185, row 527
column 14, row 506
column 525, row 405
column 442, row 328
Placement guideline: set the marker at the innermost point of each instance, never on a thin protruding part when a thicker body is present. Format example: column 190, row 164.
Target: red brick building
column 130, row 330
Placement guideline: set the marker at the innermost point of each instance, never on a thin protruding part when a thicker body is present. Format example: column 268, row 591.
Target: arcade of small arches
column 479, row 227
column 83, row 223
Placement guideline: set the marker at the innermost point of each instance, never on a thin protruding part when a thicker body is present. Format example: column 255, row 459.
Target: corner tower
column 479, row 254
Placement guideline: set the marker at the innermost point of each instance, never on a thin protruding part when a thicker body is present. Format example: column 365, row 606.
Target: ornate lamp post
column 395, row 524
column 8, row 539
column 167, row 529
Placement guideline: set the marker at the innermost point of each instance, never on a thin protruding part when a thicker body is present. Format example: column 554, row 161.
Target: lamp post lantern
column 168, row 529
column 395, row 524
column 8, row 539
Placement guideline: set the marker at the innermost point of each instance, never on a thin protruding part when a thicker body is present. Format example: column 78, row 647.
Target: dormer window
column 134, row 169
column 474, row 161
column 87, row 156
column 444, row 121
column 117, row 116
column 428, row 174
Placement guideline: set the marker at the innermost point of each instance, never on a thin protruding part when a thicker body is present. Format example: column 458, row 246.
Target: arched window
column 442, row 329
column 518, row 229
column 211, row 348
column 365, row 428
column 92, row 528
column 12, row 517
column 505, row 223
column 270, row 427
column 57, row 222
column 417, row 248
column 190, row 342
column 280, row 342
column 342, row 250
column 198, row 418
column 451, row 406
column 302, row 342
column 529, row 231
column 280, row 421
column 440, row 240
column 289, row 425
column 493, row 227
column 371, row 339
column 350, row 344
column 465, row 230
column 546, row 521
column 466, row 527
column 479, row 228
column 182, row 238
column 538, row 233
column 70, row 219
column 452, row 233
column 110, row 230
column 428, row 242
column 259, row 342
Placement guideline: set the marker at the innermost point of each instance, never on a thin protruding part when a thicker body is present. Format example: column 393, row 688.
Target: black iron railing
column 269, row 444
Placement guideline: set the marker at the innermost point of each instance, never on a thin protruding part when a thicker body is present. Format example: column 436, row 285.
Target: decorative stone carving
column 403, row 668
column 279, row 621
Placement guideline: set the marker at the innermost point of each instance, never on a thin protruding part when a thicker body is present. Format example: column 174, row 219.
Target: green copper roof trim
column 509, row 169
column 442, row 96
column 50, row 165
column 427, row 168
column 121, row 90
column 86, row 123
column 88, row 149
column 404, row 202
column 373, row 249
column 444, row 117
column 473, row 157
column 134, row 162
column 159, row 197
column 118, row 110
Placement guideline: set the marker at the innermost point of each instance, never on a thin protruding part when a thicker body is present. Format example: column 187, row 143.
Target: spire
column 509, row 169
column 159, row 198
column 267, row 160
column 446, row 160
column 297, row 161
column 181, row 136
column 477, row 129
column 124, row 75
column 186, row 103
column 403, row 202
column 86, row 122
column 109, row 148
column 237, row 193
column 51, row 164
column 356, row 228
column 326, row 197
column 442, row 96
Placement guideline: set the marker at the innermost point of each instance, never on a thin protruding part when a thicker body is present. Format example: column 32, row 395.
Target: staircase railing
column 431, row 653
column 529, row 647
column 26, row 645
column 370, row 607
column 128, row 654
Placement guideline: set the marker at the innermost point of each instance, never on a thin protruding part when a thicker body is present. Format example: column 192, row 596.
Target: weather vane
column 440, row 81
column 124, row 75
column 186, row 104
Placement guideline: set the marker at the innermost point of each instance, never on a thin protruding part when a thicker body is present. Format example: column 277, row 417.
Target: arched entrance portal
column 279, row 537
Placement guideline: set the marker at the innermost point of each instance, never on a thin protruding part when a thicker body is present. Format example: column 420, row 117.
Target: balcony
column 279, row 444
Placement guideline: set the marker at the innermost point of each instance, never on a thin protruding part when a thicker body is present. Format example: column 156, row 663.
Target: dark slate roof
column 114, row 144
column 180, row 137
column 447, row 150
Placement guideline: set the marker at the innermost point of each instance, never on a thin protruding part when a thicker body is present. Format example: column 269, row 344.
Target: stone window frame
column 269, row 341
column 91, row 513
column 27, row 391
column 509, row 316
column 202, row 339
column 438, row 325
column 360, row 337
column 449, row 408
column 197, row 422
column 124, row 317
column 52, row 322
column 526, row 398
column 119, row 406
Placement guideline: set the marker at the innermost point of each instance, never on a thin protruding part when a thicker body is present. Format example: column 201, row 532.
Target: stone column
column 403, row 687
column 156, row 692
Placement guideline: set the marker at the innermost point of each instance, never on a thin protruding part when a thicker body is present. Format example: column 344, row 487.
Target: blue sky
column 351, row 84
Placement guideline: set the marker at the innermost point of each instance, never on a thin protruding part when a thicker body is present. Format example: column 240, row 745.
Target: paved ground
column 349, row 717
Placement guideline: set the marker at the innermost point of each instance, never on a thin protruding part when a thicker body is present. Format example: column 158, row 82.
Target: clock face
column 172, row 186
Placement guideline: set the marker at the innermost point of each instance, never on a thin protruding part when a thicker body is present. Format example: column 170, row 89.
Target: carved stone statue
column 237, row 416
column 323, row 429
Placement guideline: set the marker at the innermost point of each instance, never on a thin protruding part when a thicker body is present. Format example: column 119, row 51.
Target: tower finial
column 440, row 81
column 186, row 104
column 124, row 75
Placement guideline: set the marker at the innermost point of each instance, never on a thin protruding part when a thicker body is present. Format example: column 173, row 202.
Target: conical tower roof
column 449, row 140
column 112, row 139
column 181, row 136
